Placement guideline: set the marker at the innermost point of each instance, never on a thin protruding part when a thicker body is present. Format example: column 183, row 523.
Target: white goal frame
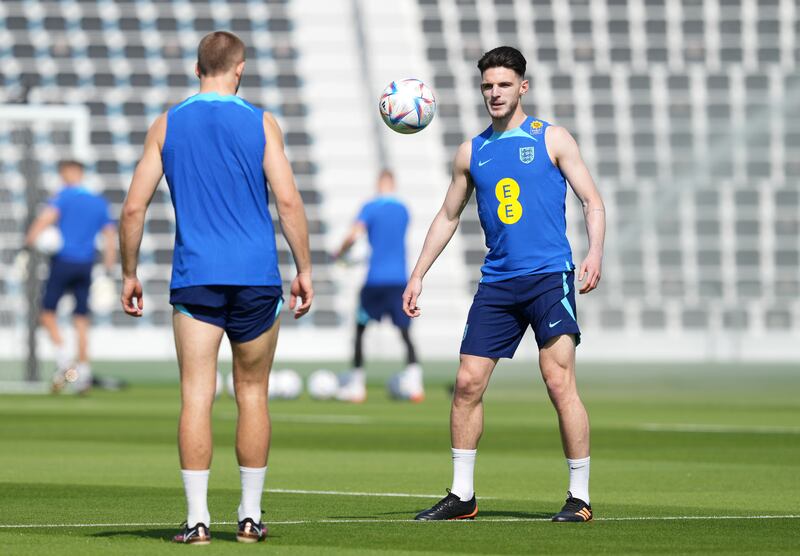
column 76, row 114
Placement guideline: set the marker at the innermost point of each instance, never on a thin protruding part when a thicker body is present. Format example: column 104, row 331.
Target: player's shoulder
column 464, row 153
column 559, row 138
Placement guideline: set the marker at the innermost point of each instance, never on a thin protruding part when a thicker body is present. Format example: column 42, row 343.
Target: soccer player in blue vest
column 385, row 220
column 519, row 169
column 219, row 153
column 80, row 216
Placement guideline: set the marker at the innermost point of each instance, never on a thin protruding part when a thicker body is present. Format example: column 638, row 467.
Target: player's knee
column 469, row 386
column 250, row 389
column 560, row 384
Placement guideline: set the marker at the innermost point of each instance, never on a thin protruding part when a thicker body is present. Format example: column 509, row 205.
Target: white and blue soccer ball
column 229, row 388
column 285, row 384
column 407, row 105
column 323, row 384
column 49, row 241
column 220, row 386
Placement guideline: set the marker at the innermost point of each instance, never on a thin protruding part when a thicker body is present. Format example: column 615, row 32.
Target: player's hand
column 302, row 288
column 132, row 298
column 410, row 296
column 590, row 270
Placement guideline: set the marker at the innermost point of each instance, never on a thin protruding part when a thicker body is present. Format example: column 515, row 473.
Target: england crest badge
column 526, row 155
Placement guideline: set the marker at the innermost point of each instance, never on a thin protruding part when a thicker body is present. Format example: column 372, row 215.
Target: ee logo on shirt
column 507, row 192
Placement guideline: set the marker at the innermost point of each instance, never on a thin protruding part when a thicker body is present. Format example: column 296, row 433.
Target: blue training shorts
column 377, row 301
column 502, row 311
column 67, row 276
column 243, row 312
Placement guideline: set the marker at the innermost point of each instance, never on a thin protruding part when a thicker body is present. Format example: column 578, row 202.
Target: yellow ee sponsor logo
column 507, row 192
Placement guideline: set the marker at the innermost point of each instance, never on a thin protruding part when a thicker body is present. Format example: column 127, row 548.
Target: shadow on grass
column 513, row 514
column 492, row 513
column 167, row 534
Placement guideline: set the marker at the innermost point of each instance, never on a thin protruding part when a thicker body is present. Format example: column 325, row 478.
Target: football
column 49, row 241
column 220, row 385
column 285, row 384
column 322, row 384
column 407, row 105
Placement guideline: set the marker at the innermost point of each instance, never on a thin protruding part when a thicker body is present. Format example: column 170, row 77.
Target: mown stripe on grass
column 726, row 429
column 367, row 520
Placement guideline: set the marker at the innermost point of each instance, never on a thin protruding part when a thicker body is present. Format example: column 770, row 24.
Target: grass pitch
column 685, row 459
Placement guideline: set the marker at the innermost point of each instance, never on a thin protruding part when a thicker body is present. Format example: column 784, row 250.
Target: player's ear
column 524, row 86
column 239, row 69
column 197, row 70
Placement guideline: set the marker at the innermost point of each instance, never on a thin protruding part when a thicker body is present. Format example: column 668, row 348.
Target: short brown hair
column 67, row 162
column 218, row 52
column 503, row 57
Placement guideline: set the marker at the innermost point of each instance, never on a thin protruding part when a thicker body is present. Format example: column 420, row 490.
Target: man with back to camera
column 218, row 153
column 385, row 220
column 80, row 215
column 519, row 168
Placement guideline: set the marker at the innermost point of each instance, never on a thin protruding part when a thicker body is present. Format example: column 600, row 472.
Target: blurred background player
column 519, row 168
column 218, row 153
column 385, row 220
column 80, row 216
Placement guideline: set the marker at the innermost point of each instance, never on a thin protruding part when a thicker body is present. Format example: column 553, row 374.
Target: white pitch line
column 726, row 429
column 347, row 521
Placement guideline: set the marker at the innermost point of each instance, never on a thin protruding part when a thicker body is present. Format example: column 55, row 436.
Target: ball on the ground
column 322, row 384
column 394, row 387
column 219, row 386
column 49, row 241
column 229, row 385
column 407, row 105
column 398, row 388
column 291, row 384
column 285, row 384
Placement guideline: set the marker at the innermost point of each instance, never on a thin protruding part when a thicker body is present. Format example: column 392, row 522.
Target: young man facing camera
column 519, row 168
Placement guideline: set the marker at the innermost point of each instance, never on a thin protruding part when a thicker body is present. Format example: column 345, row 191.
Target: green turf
column 110, row 458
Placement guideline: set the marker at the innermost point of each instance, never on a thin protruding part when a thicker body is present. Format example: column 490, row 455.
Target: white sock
column 84, row 375
column 195, row 484
column 463, row 472
column 358, row 376
column 415, row 371
column 579, row 478
column 252, row 487
column 63, row 358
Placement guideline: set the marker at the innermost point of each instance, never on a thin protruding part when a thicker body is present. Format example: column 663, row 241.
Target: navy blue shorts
column 502, row 311
column 67, row 276
column 243, row 312
column 377, row 301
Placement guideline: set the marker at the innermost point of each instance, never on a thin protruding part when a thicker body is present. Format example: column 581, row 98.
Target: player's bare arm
column 356, row 231
column 291, row 213
column 109, row 247
column 442, row 228
column 564, row 149
column 48, row 217
column 145, row 180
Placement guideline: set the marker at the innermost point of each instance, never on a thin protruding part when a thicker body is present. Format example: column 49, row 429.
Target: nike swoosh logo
column 552, row 324
column 482, row 162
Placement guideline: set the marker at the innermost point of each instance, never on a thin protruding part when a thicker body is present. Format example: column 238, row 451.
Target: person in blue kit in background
column 79, row 215
column 384, row 220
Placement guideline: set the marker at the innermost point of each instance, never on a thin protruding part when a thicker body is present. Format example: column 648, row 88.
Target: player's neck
column 217, row 84
column 515, row 119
